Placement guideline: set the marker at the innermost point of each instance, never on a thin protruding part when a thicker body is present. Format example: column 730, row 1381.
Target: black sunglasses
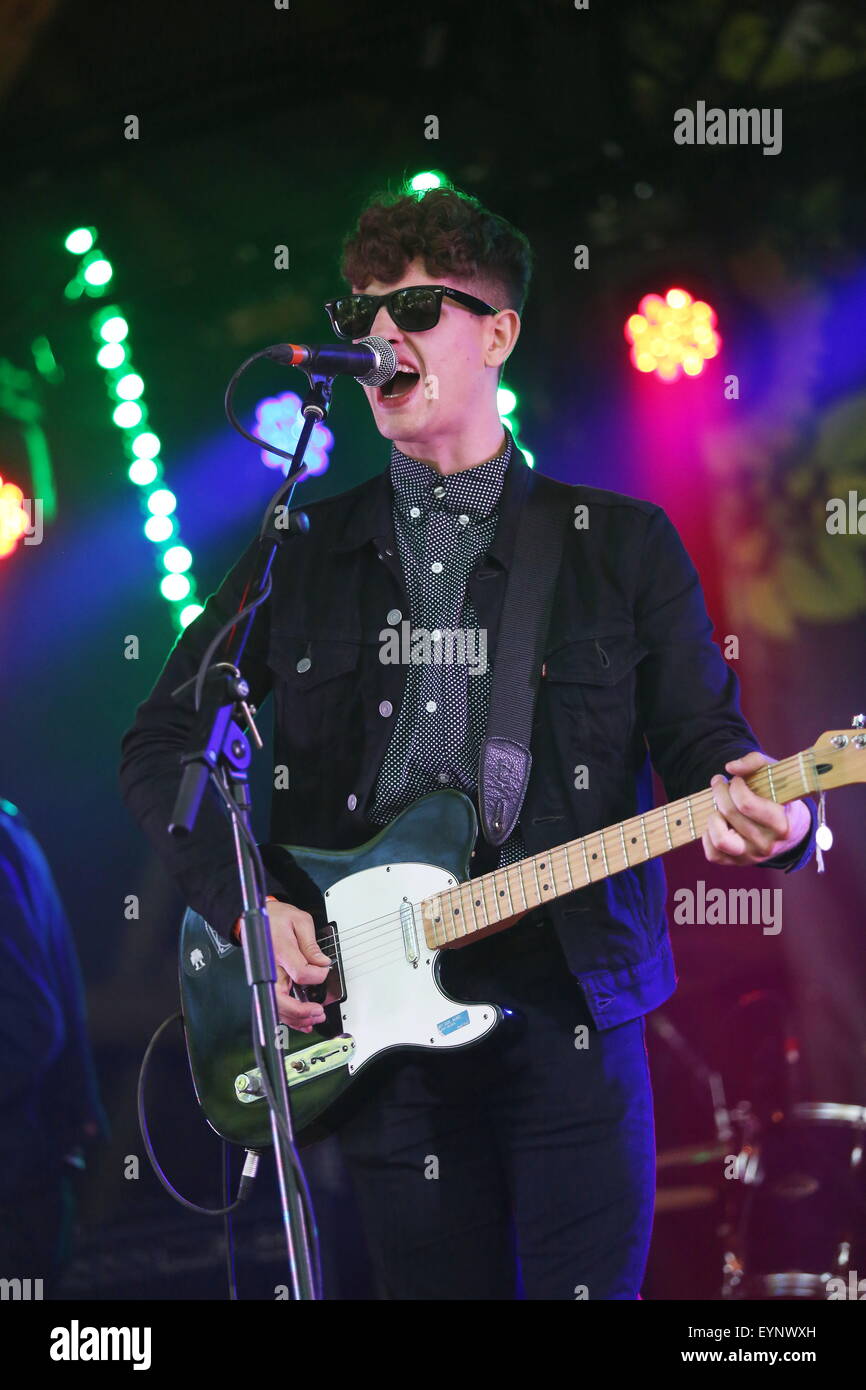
column 413, row 309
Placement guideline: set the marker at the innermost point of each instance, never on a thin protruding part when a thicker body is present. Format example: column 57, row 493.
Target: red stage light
column 672, row 334
column 14, row 518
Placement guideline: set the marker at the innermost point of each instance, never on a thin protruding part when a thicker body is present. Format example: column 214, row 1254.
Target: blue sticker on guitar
column 448, row 1025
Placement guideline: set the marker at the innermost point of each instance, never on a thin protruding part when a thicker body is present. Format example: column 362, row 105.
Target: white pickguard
column 391, row 1001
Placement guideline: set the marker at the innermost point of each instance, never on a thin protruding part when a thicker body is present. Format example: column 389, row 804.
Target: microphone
column 372, row 360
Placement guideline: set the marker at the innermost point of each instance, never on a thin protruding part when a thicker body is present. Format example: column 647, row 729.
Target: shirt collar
column 473, row 492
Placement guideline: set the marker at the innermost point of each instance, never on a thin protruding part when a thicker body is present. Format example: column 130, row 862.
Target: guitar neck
column 468, row 908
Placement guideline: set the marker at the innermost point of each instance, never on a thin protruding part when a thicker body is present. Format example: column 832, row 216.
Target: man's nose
column 384, row 326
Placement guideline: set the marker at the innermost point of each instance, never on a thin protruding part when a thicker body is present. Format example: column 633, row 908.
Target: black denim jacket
column 631, row 673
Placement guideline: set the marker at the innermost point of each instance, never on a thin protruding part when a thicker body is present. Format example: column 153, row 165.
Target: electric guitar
column 393, row 905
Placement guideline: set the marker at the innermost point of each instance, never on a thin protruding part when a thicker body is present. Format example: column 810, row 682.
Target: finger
column 759, row 808
column 712, row 854
column 305, row 933
column 299, row 968
column 761, row 830
column 750, row 762
column 725, row 839
column 298, row 1013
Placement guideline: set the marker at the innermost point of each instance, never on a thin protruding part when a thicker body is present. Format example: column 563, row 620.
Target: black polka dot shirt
column 442, row 525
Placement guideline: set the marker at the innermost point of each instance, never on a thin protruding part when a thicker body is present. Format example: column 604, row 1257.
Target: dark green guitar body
column 438, row 831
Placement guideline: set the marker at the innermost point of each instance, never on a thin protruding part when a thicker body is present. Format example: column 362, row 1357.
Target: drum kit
column 781, row 1190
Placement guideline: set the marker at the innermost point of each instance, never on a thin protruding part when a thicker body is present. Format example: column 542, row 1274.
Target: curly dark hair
column 452, row 232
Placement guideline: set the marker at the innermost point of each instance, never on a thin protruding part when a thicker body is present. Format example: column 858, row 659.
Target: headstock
column 840, row 755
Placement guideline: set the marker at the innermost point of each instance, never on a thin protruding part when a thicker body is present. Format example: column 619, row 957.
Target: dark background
column 261, row 127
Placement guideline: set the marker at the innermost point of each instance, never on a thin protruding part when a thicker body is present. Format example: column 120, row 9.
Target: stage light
column 279, row 421
column 111, row 355
column 127, row 415
column 110, row 331
column 429, row 178
column 177, row 559
column 175, row 587
column 158, row 528
column 98, row 272
column 79, row 241
column 506, row 401
column 14, row 518
column 189, row 614
column 129, row 387
column 530, row 458
column 161, row 502
column 114, row 329
column 672, row 335
column 142, row 472
column 678, row 299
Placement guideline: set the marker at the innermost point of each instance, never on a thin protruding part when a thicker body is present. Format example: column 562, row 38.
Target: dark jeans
column 521, row 1168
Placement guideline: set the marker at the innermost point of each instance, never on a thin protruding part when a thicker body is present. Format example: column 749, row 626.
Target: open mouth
column 403, row 381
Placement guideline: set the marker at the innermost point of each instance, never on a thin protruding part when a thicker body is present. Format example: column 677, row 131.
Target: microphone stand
column 219, row 750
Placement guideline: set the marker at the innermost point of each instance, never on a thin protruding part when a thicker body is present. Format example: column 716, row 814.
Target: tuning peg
column 859, row 721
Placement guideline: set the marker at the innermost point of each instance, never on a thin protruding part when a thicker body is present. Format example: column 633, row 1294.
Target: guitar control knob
column 859, row 721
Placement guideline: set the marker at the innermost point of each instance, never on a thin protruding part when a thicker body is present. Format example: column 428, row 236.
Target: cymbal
column 684, row 1198
column 693, row 1155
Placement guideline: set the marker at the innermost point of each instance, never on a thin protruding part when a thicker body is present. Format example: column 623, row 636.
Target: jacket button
column 394, row 615
column 386, row 708
column 352, row 802
column 303, row 665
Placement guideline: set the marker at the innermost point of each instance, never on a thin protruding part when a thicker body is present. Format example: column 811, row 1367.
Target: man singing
column 524, row 1167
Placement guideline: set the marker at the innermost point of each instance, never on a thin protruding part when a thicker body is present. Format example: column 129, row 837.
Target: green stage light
column 189, row 614
column 530, row 458
column 127, row 415
column 506, row 400
column 146, row 445
column 142, row 472
column 177, row 559
column 111, row 355
column 114, row 329
column 79, row 241
column 162, row 502
column 129, row 387
column 429, row 178
column 98, row 271
column 159, row 528
column 175, row 587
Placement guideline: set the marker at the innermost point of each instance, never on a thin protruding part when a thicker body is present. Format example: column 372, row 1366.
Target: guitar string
column 698, row 800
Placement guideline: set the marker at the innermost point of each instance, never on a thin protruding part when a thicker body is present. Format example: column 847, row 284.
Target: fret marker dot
column 595, row 856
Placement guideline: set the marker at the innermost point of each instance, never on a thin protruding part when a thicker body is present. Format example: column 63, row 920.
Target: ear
column 502, row 334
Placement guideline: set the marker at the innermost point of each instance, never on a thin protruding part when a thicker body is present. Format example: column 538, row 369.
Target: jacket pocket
column 316, row 690
column 591, row 692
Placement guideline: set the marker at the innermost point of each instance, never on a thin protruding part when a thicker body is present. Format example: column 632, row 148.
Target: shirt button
column 431, row 706
column 439, row 492
column 352, row 802
column 386, row 708
column 394, row 615
column 436, row 567
column 443, row 776
column 415, row 511
column 303, row 665
column 464, row 520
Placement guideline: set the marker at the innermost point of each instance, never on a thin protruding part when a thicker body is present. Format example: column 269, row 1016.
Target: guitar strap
column 505, row 760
